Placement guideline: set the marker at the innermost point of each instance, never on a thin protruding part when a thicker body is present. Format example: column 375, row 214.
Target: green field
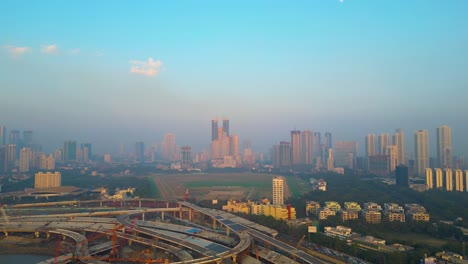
column 224, row 183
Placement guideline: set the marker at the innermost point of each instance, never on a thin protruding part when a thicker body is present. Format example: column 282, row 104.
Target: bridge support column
column 139, row 203
column 121, row 203
column 6, row 233
column 167, row 205
column 218, row 262
column 190, row 214
column 130, row 242
column 227, row 231
column 100, row 204
column 180, row 213
column 213, row 223
column 234, row 257
column 47, row 235
column 143, row 216
column 36, row 234
column 162, row 216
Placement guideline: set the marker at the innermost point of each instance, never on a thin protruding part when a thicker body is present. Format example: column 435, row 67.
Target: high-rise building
column 186, row 153
column 89, row 148
column 448, row 179
column 429, row 178
column 384, row 141
column 234, row 145
column 27, row 138
column 444, row 146
column 11, row 156
column 226, row 127
column 307, row 147
column 214, row 129
column 2, row 135
column 330, row 160
column 285, row 154
column 402, row 176
column 421, row 152
column 47, row 162
column 69, row 150
column 345, row 154
column 275, row 156
column 295, row 147
column 392, row 153
column 169, row 148
column 370, row 145
column 26, row 155
column 459, row 185
column 140, row 151
column 278, row 191
column 439, row 178
column 317, row 144
column 3, row 159
column 399, row 142
column 14, row 137
column 47, row 180
column 328, row 140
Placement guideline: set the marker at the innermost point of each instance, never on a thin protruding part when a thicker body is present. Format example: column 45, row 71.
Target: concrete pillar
column 227, row 231
column 121, row 203
column 190, row 214
column 100, row 204
column 214, row 223
column 167, row 205
column 139, row 203
column 218, row 262
column 36, row 234
column 234, row 257
column 143, row 216
column 130, row 242
column 162, row 215
column 6, row 233
column 180, row 214
column 48, row 235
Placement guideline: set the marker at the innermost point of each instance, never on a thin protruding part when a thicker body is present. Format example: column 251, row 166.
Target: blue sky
column 122, row 71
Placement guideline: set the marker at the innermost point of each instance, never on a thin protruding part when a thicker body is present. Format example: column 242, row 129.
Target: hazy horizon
column 125, row 72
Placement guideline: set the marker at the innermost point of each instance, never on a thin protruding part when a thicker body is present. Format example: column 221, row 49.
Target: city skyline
column 138, row 71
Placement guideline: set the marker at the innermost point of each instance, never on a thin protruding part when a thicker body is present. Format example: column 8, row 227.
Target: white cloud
column 49, row 49
column 147, row 68
column 75, row 51
column 17, row 51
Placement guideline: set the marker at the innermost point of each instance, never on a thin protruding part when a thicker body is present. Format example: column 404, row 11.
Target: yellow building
column 459, row 181
column 279, row 211
column 429, row 178
column 448, row 180
column 352, row 206
column 418, row 216
column 439, row 178
column 371, row 216
column 47, row 180
column 233, row 206
column 349, row 215
column 312, row 207
column 324, row 213
column 332, row 205
column 393, row 216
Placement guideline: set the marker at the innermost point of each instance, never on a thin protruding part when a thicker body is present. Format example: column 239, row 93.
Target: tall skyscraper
column 370, row 145
column 278, row 191
column 399, row 141
column 186, row 153
column 448, row 179
column 226, row 126
column 328, row 140
column 285, row 154
column 69, row 150
column 47, row 180
column 2, row 135
column 421, row 152
column 4, row 159
column 214, row 129
column 330, row 160
column 27, row 138
column 140, row 151
column 234, row 145
column 444, row 146
column 459, row 186
column 295, row 147
column 26, row 155
column 402, row 176
column 307, row 147
column 439, row 178
column 14, row 137
column 275, row 156
column 88, row 146
column 384, row 141
column 169, row 148
column 345, row 153
column 429, row 178
column 317, row 144
column 392, row 153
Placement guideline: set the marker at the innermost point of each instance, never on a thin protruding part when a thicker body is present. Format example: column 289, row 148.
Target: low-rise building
column 349, row 215
column 233, row 206
column 324, row 213
column 332, row 205
column 372, row 206
column 340, row 232
column 394, row 212
column 400, row 217
column 312, row 207
column 352, row 206
column 371, row 216
column 416, row 212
